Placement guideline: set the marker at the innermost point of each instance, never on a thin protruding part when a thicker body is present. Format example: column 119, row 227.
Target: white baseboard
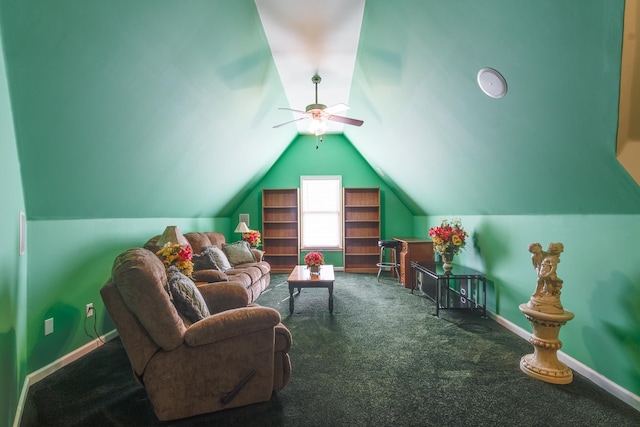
column 45, row 371
column 597, row 378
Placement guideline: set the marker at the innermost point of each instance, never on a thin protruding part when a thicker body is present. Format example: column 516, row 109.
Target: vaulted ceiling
column 166, row 109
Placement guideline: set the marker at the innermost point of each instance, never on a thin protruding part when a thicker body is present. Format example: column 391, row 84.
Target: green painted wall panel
column 547, row 147
column 144, row 95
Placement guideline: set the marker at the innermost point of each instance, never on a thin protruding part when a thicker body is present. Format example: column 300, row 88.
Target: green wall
column 335, row 156
column 13, row 267
column 546, row 148
column 138, row 94
column 601, row 276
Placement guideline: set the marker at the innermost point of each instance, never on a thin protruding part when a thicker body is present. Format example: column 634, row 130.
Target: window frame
column 339, row 212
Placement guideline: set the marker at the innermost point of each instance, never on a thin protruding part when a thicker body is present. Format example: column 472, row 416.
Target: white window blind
column 321, row 212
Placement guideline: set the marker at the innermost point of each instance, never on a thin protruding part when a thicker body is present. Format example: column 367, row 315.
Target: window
column 321, row 212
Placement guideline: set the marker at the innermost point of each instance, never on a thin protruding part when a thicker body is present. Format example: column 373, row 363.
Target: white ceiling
column 308, row 37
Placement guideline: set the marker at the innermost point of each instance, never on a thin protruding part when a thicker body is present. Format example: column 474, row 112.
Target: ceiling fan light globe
column 318, row 127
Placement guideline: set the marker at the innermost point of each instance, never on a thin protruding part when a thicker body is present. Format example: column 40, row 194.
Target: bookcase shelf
column 281, row 228
column 361, row 229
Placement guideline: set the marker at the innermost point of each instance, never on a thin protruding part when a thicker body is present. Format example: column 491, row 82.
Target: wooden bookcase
column 361, row 229
column 280, row 228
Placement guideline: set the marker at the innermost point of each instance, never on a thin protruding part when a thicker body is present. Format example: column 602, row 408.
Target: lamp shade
column 171, row 236
column 242, row 228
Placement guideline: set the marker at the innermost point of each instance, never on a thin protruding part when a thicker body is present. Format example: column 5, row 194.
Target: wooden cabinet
column 413, row 249
column 361, row 229
column 280, row 228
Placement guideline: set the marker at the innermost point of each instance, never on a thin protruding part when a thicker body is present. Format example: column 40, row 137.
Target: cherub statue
column 547, row 293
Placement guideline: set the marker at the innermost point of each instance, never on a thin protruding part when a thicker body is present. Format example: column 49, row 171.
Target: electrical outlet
column 48, row 326
column 90, row 309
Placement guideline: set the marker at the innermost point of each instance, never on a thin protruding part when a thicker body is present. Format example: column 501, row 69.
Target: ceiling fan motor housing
column 315, row 107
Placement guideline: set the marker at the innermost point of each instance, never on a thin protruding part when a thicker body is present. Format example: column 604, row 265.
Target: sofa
column 238, row 354
column 253, row 276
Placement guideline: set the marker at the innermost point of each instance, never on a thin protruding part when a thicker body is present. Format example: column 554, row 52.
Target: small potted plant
column 314, row 260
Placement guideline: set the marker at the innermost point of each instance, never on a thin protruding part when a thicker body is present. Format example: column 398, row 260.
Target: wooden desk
column 413, row 250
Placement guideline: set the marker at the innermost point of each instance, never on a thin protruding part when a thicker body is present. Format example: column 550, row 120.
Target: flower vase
column 314, row 269
column 447, row 260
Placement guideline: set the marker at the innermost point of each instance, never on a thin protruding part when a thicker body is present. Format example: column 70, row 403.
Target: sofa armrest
column 258, row 254
column 209, row 276
column 223, row 296
column 231, row 323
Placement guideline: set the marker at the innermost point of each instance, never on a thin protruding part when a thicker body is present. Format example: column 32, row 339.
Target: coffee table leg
column 290, row 299
column 331, row 299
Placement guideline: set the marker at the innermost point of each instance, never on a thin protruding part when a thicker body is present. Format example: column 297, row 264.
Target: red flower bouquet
column 313, row 259
column 449, row 238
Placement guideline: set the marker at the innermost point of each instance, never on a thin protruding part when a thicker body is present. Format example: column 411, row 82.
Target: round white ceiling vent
column 492, row 83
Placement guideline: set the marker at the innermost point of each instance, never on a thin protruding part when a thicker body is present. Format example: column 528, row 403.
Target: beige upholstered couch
column 254, row 276
column 235, row 356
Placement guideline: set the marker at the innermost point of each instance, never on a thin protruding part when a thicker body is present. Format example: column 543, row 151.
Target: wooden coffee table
column 300, row 278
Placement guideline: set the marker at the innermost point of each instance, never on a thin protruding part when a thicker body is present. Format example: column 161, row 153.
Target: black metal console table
column 463, row 288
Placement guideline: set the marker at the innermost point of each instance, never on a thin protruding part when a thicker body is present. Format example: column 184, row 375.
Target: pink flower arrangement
column 177, row 255
column 314, row 258
column 449, row 237
column 253, row 237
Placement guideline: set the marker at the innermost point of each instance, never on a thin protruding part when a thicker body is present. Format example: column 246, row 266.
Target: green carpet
column 381, row 359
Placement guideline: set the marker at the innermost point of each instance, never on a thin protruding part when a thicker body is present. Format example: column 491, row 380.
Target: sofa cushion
column 186, row 297
column 210, row 276
column 253, row 272
column 238, row 253
column 239, row 276
column 204, row 260
column 221, row 258
column 216, row 239
column 263, row 266
column 198, row 241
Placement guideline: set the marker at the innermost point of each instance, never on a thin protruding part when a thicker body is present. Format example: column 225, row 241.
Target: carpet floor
column 381, row 359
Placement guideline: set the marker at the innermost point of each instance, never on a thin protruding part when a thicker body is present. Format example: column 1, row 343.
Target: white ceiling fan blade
column 291, row 109
column 290, row 121
column 338, row 108
column 346, row 120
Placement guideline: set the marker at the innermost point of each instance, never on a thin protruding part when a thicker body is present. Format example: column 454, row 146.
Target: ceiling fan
column 319, row 112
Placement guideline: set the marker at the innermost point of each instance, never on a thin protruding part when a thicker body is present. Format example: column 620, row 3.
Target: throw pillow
column 238, row 253
column 204, row 260
column 220, row 257
column 186, row 297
